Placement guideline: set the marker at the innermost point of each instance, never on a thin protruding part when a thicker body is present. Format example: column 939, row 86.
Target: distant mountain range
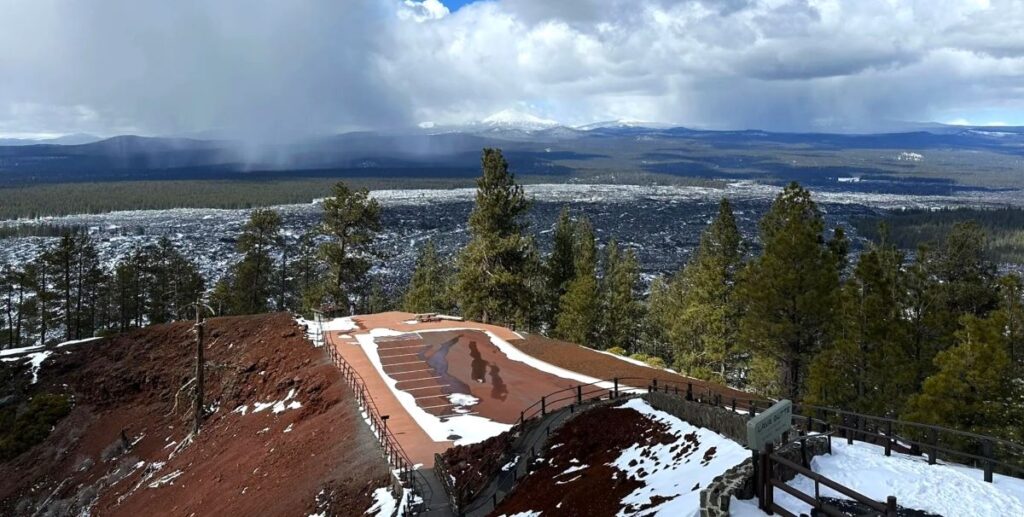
column 533, row 145
column 73, row 139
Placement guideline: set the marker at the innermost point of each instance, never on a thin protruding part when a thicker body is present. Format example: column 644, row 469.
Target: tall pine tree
column 351, row 223
column 430, row 287
column 560, row 267
column 621, row 312
column 579, row 308
column 871, row 347
column 789, row 293
column 497, row 269
column 704, row 325
column 248, row 282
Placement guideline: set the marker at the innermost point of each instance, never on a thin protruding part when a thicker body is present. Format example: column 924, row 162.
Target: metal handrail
column 403, row 463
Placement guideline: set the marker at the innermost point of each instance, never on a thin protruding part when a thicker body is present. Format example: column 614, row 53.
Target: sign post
column 769, row 425
column 762, row 432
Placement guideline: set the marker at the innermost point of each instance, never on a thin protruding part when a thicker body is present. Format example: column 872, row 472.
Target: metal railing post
column 616, row 387
column 543, row 406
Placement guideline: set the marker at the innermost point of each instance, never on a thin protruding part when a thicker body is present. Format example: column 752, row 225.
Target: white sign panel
column 769, row 425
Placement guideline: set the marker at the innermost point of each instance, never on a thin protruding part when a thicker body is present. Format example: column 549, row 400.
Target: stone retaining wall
column 739, row 480
column 719, row 420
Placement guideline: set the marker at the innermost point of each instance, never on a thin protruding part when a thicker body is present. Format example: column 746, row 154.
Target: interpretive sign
column 769, row 425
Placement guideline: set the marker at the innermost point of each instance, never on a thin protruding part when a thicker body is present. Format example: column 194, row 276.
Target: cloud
column 421, row 11
column 272, row 69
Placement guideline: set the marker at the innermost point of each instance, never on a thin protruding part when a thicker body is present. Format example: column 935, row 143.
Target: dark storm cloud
column 272, row 69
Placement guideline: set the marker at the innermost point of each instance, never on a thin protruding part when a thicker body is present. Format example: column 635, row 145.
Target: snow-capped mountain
column 623, row 123
column 515, row 119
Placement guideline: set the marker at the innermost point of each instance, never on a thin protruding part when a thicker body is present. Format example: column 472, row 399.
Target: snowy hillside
column 515, row 119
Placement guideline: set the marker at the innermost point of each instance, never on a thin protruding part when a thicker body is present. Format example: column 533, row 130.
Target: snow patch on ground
column 384, row 503
column 276, row 406
column 19, row 351
column 166, row 480
column 36, row 362
column 944, row 489
column 345, row 324
column 629, row 360
column 77, row 341
column 468, row 428
column 667, row 474
column 462, row 402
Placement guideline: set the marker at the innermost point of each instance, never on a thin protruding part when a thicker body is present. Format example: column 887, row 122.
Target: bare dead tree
column 200, row 364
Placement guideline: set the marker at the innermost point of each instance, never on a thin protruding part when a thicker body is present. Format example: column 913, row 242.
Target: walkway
column 414, row 440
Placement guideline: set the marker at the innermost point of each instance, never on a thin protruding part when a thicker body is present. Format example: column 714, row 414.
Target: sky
column 274, row 69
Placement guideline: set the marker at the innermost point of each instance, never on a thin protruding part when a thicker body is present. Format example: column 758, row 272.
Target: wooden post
column 758, row 482
column 933, row 440
column 888, row 438
column 689, row 391
column 199, row 368
column 579, row 394
column 616, row 387
column 543, row 406
column 986, row 448
column 769, row 490
column 734, row 404
column 890, row 506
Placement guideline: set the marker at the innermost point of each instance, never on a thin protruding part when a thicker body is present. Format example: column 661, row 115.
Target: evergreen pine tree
column 430, row 287
column 1011, row 302
column 498, row 268
column 872, row 344
column 351, row 223
column 378, row 300
column 975, row 387
column 578, row 311
column 620, row 310
column 790, row 292
column 250, row 287
column 704, row 321
column 560, row 267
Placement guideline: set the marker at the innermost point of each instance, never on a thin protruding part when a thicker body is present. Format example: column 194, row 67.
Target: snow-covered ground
column 675, row 480
column 36, row 355
column 944, row 489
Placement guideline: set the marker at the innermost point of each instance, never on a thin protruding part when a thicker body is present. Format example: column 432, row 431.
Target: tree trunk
column 199, row 369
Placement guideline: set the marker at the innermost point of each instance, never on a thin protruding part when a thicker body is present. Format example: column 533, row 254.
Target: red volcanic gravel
column 595, row 438
column 319, row 457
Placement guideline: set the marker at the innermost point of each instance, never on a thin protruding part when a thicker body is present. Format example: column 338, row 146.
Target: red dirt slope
column 602, row 366
column 317, row 456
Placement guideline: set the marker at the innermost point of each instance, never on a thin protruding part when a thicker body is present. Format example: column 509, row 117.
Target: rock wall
column 739, row 480
column 719, row 420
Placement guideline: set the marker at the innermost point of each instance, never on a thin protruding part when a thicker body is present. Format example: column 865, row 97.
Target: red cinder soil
column 602, row 366
column 471, row 465
column 593, row 439
column 319, row 457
